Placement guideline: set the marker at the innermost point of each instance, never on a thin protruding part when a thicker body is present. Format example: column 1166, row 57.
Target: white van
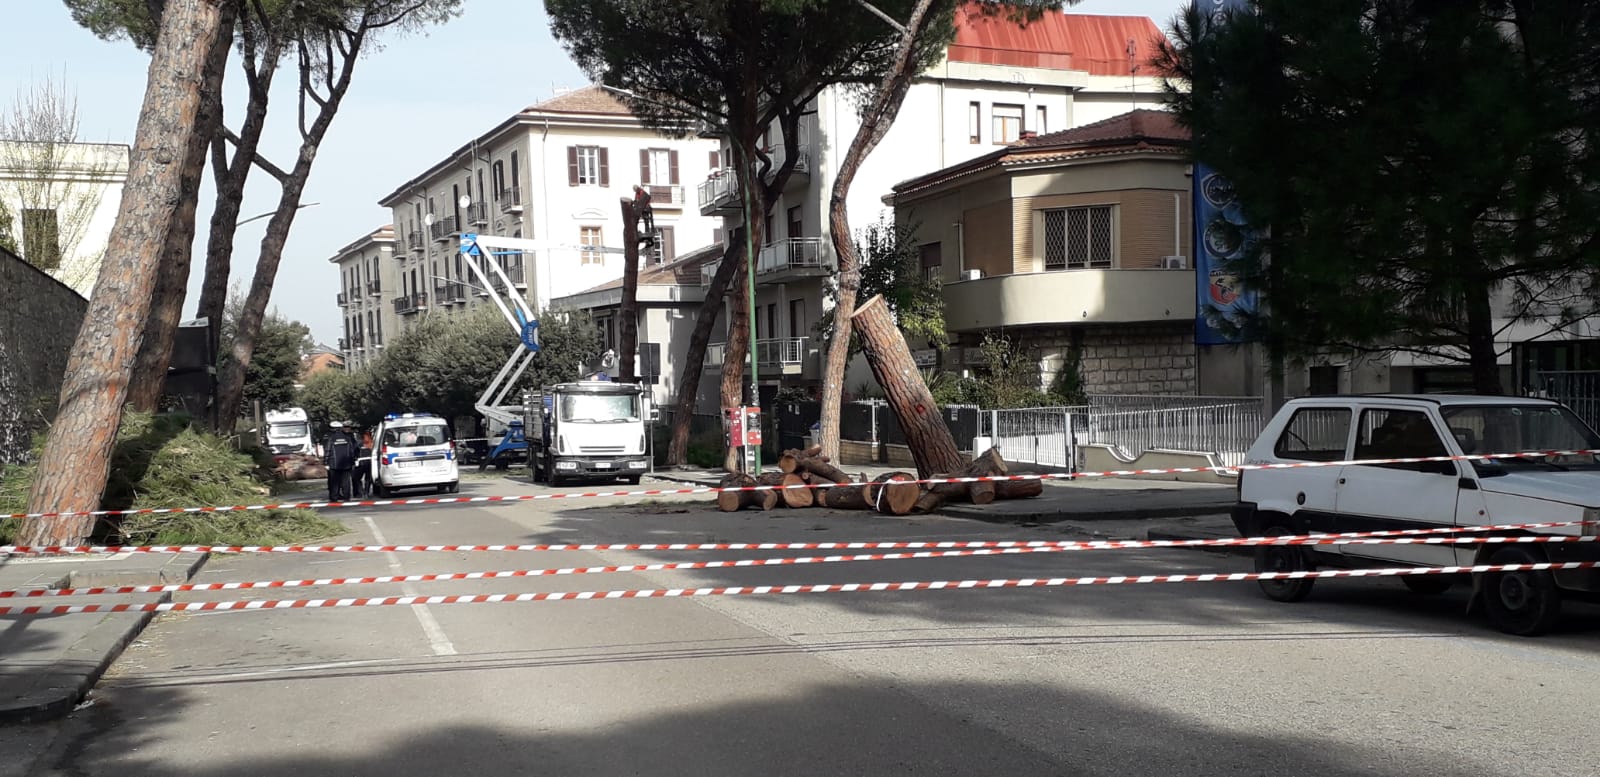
column 413, row 450
column 288, row 432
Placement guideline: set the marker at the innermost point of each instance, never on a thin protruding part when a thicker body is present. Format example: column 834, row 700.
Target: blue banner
column 1221, row 236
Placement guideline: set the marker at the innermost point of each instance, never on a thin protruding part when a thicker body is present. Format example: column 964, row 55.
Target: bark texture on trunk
column 1482, row 354
column 694, row 360
column 166, row 307
column 628, row 313
column 77, row 455
column 875, row 123
column 739, row 345
column 932, row 447
column 893, row 493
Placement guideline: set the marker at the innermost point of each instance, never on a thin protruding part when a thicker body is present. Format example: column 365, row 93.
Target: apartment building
column 998, row 85
column 62, row 199
column 367, row 271
column 555, row 173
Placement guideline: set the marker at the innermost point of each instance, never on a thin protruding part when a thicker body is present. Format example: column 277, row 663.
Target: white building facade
column 368, row 283
column 62, row 199
column 998, row 84
column 555, row 173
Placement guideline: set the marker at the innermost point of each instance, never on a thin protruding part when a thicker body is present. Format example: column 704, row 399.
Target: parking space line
column 437, row 639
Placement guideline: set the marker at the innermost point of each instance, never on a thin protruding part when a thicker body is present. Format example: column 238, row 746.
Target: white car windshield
column 287, row 430
column 416, row 436
column 1520, row 429
column 599, row 408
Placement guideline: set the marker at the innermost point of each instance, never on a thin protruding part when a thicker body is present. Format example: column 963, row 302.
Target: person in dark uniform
column 361, row 480
column 339, row 455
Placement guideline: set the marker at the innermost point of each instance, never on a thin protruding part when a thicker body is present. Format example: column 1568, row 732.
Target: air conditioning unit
column 971, row 275
column 1175, row 262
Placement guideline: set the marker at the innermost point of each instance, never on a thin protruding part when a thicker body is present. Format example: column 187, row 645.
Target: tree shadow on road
column 832, row 728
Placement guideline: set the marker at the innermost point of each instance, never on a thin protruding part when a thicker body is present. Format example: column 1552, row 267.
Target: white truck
column 588, row 429
column 288, row 432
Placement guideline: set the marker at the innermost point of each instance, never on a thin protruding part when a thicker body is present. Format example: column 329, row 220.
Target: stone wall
column 1131, row 359
column 39, row 320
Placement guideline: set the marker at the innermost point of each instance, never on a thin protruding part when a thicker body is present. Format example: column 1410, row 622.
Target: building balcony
column 511, row 200
column 719, row 194
column 1069, row 297
column 714, row 355
column 414, row 240
column 665, row 197
column 802, row 166
column 443, row 229
column 419, row 300
column 374, row 289
column 453, row 293
column 344, row 345
column 343, row 300
column 478, row 214
column 404, row 305
column 787, row 355
column 357, row 341
column 709, row 271
column 793, row 259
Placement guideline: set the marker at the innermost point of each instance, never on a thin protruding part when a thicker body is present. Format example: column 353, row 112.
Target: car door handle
column 1341, row 481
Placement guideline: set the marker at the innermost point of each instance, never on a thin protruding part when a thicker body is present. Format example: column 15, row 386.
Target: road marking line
column 430, row 626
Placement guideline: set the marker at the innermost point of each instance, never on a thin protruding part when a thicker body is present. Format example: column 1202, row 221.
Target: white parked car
column 1429, row 495
column 414, row 450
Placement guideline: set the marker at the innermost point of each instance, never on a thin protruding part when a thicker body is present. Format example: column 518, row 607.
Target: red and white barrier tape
column 760, row 590
column 1302, row 539
column 719, row 489
column 34, row 593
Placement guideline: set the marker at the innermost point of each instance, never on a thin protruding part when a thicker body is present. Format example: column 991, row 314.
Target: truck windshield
column 290, row 430
column 1522, row 429
column 416, row 436
column 599, row 408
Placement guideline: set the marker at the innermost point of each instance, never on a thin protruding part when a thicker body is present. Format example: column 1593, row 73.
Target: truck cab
column 288, row 432
column 587, row 429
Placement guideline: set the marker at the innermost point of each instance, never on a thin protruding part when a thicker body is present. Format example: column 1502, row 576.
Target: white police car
column 414, row 450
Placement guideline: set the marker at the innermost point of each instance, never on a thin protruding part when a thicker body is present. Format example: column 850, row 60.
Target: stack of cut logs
column 893, row 493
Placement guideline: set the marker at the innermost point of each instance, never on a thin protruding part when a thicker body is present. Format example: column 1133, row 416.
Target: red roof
column 1142, row 125
column 1100, row 45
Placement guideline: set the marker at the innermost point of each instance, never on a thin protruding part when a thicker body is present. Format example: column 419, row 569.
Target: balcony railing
column 511, row 200
column 781, row 351
column 443, row 229
column 342, row 299
column 403, row 305
column 414, row 240
column 721, row 188
column 357, row 341
column 666, row 196
column 709, row 271
column 478, row 213
column 514, row 270
column 441, row 292
column 802, row 164
column 420, row 300
column 374, row 288
column 796, row 253
column 344, row 344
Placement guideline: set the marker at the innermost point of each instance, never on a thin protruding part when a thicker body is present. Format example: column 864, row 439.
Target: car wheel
column 455, row 487
column 442, row 488
column 1524, row 603
column 1428, row 585
column 380, row 489
column 1283, row 558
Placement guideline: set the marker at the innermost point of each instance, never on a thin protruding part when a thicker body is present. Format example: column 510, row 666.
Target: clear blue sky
column 415, row 100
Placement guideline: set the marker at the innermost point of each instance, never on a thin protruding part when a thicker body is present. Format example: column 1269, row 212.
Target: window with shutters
column 1007, row 124
column 589, row 237
column 1078, row 238
column 1042, row 124
column 932, row 255
column 588, row 166
column 974, row 123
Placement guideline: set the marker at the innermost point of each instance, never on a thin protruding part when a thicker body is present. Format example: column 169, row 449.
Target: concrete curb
column 59, row 688
column 1060, row 516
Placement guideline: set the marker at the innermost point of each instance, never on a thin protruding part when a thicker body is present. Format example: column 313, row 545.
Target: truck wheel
column 633, row 480
column 1525, row 603
column 1283, row 558
column 502, row 465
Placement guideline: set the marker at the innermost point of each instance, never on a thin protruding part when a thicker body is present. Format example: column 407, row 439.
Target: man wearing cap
column 339, row 455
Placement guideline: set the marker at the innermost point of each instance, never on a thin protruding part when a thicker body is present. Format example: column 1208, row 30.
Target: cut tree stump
column 733, row 501
column 818, row 468
column 932, row 447
column 937, row 494
column 789, row 461
column 796, row 497
column 889, row 495
column 1018, row 489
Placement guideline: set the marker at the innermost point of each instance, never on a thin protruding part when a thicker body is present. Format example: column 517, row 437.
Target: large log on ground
column 791, row 496
column 893, row 493
column 844, row 497
column 1018, row 489
column 937, row 494
column 733, row 501
column 788, row 462
column 932, row 447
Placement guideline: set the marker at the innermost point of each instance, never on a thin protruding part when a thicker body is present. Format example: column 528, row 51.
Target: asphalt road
column 1192, row 679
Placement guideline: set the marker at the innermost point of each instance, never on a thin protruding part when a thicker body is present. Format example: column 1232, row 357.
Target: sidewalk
column 49, row 662
column 1103, row 499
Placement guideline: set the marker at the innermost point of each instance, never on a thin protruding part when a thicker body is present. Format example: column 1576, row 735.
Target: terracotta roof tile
column 589, row 99
column 1099, row 45
column 1142, row 124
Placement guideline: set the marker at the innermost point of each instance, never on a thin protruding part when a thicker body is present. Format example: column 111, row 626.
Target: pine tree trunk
column 740, row 343
column 694, row 360
column 628, row 312
column 77, row 456
column 155, row 354
column 875, row 123
column 932, row 447
column 1482, row 354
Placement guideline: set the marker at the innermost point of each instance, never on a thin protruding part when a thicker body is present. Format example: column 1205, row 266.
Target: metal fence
column 869, row 420
column 1577, row 389
column 1131, row 425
